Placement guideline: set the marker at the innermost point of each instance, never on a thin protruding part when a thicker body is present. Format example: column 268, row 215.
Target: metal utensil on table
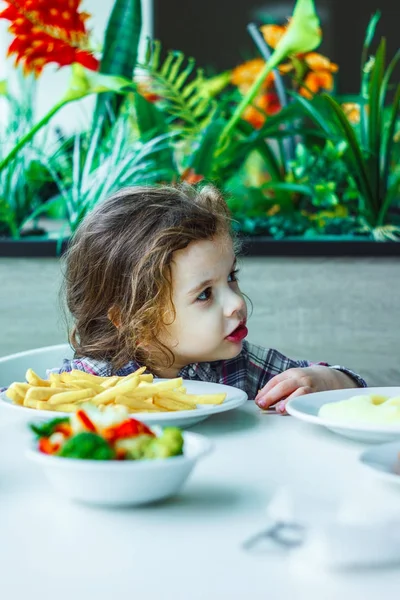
column 286, row 534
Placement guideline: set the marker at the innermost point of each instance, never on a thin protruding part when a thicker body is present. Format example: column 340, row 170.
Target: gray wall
column 340, row 310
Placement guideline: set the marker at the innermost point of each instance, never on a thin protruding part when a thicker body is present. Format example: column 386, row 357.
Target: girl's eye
column 205, row 295
column 233, row 276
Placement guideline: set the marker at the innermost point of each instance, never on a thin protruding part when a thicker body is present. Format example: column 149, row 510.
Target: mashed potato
column 363, row 409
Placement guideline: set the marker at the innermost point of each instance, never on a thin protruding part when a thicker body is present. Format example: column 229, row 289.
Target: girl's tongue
column 238, row 334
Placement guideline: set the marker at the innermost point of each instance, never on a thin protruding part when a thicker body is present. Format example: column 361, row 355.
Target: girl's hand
column 300, row 381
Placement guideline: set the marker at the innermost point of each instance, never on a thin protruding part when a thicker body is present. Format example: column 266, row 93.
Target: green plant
column 324, row 176
column 21, row 178
column 20, row 158
column 184, row 101
column 20, row 162
column 184, row 93
column 101, row 165
column 164, row 120
column 302, row 35
column 119, row 57
column 369, row 155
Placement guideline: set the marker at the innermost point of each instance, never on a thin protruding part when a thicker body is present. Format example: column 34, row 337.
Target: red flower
column 191, row 177
column 48, row 31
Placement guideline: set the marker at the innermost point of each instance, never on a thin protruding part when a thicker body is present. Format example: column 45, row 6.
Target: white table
column 190, row 547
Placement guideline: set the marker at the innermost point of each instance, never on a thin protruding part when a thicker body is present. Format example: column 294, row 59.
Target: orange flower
column 47, row 32
column 314, row 82
column 319, row 76
column 318, row 69
column 273, row 34
column 244, row 75
column 317, row 62
column 264, row 104
column 285, row 68
column 352, row 112
column 267, row 102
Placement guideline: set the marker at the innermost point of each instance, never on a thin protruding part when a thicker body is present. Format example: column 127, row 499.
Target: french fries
column 138, row 392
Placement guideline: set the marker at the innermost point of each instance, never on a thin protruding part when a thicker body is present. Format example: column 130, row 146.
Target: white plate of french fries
column 172, row 402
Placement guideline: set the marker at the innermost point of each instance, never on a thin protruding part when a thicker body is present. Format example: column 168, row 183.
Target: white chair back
column 14, row 366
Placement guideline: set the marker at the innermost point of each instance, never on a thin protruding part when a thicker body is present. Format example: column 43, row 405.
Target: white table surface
column 189, row 547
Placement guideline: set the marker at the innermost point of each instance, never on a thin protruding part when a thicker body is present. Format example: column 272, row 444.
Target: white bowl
column 122, row 483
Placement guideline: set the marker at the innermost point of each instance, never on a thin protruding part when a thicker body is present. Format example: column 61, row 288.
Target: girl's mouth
column 238, row 334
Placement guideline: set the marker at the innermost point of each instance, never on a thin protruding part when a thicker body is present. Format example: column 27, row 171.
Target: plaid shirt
column 249, row 371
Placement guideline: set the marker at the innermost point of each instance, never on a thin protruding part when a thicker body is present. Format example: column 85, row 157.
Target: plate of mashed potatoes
column 369, row 415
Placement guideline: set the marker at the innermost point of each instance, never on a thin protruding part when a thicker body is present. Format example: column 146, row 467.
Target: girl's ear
column 114, row 315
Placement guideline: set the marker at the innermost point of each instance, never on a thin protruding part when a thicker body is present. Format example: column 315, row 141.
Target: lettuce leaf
column 48, row 428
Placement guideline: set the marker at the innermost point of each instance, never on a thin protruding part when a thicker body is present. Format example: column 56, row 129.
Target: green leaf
column 387, row 147
column 288, row 113
column 176, row 66
column 385, row 157
column 152, row 124
column 277, row 173
column 251, row 138
column 185, row 73
column 202, row 160
column 153, row 53
column 360, row 170
column 120, row 50
column 230, row 158
column 275, row 170
column 387, row 78
column 235, row 154
column 165, row 69
column 278, row 134
column 364, row 74
column 213, row 86
column 84, row 82
column 189, row 103
column 150, row 120
column 99, row 169
column 41, row 209
column 374, row 118
column 316, row 115
column 48, row 428
column 289, row 187
column 370, row 33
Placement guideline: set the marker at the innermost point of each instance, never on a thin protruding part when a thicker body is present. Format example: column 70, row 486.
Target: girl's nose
column 234, row 304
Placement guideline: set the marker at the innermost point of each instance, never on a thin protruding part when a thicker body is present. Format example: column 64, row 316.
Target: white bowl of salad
column 109, row 459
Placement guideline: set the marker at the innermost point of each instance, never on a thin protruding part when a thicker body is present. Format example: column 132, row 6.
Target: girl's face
column 210, row 310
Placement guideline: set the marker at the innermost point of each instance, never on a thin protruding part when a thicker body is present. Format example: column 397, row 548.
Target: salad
column 109, row 434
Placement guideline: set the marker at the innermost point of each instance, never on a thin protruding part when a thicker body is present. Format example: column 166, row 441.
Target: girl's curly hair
column 118, row 279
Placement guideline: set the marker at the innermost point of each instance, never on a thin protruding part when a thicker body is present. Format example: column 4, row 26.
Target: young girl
column 151, row 279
